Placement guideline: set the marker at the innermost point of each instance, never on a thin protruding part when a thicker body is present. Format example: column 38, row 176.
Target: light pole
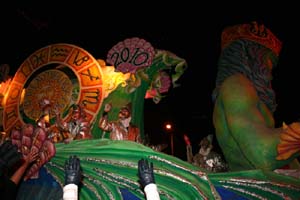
column 169, row 128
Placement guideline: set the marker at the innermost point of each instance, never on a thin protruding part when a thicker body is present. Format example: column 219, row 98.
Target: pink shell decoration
column 30, row 138
column 131, row 55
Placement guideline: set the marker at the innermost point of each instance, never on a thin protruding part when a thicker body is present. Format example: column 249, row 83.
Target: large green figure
column 245, row 102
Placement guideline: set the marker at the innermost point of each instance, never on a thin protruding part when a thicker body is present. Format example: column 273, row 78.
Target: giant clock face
column 63, row 73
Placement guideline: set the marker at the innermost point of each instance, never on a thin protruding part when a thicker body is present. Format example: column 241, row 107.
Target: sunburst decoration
column 53, row 85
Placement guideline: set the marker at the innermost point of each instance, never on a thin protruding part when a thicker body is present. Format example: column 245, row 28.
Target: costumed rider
column 72, row 178
column 77, row 127
column 120, row 129
column 44, row 119
column 147, row 181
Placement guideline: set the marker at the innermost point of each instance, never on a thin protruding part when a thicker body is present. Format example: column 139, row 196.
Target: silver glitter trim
column 111, row 162
column 200, row 174
column 262, row 185
column 97, row 182
column 62, row 185
column 120, row 180
column 291, row 187
column 266, row 189
column 245, row 192
column 53, row 174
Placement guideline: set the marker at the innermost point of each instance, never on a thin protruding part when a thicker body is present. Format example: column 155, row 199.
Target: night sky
column 190, row 31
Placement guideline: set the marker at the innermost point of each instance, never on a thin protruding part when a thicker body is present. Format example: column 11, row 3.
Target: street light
column 169, row 128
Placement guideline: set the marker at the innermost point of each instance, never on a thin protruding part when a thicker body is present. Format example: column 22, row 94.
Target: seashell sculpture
column 30, row 138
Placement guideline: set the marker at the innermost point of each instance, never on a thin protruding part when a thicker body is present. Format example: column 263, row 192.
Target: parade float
column 64, row 75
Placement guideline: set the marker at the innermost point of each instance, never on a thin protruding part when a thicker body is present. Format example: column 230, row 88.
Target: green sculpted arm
column 245, row 126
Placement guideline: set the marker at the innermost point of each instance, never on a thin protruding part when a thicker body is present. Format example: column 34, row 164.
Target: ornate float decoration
column 151, row 72
column 110, row 172
column 110, row 166
column 131, row 55
column 63, row 73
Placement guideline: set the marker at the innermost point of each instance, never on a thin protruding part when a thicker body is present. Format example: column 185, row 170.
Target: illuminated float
column 66, row 75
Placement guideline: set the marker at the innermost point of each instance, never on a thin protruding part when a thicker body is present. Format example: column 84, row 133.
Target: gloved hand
column 9, row 155
column 72, row 171
column 145, row 172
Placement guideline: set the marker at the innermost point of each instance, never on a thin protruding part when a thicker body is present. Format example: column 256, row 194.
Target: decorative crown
column 253, row 31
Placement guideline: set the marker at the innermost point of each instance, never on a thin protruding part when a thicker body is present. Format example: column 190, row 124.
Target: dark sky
column 191, row 31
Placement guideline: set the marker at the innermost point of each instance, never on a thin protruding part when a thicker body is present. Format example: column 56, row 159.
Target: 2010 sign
column 130, row 55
